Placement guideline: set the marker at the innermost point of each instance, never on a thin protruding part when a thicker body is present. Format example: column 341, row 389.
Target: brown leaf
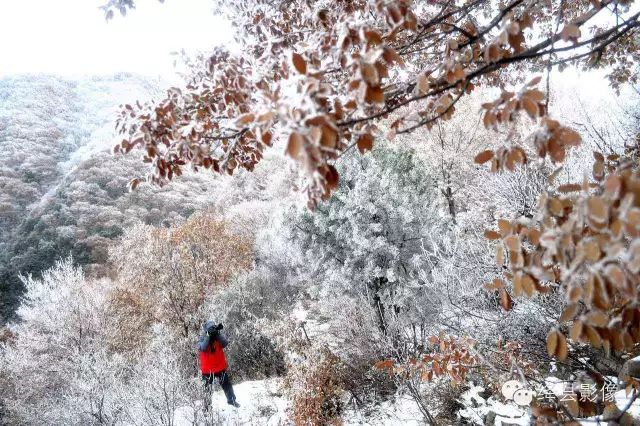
column 615, row 276
column 299, row 63
column 266, row 138
column 422, row 83
column 505, row 300
column 597, row 208
column 517, row 285
column 552, row 342
column 568, row 137
column 484, row 156
column 555, row 207
column 591, row 250
column 504, row 226
column 267, row 116
column 134, row 184
column 576, row 330
column 512, row 242
column 593, row 336
column 491, row 235
column 563, row 349
column 535, row 94
column 634, row 262
column 556, row 150
column 535, row 80
column 329, row 137
column 294, row 146
column 570, row 32
column 597, row 319
column 384, row 365
column 244, row 119
column 332, row 177
column 496, row 284
column 612, row 186
column 390, row 56
column 598, row 170
column 365, row 143
column 369, row 74
column 489, row 119
column 530, row 106
column 569, row 187
column 374, row 95
column 528, row 285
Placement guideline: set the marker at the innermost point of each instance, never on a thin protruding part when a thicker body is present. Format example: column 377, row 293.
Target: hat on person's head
column 208, row 324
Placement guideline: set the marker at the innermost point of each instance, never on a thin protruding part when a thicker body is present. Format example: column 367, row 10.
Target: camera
column 213, row 330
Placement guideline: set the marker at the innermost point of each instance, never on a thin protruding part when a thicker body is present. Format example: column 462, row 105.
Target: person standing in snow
column 213, row 363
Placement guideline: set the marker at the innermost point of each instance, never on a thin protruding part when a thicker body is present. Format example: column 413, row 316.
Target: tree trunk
column 448, row 195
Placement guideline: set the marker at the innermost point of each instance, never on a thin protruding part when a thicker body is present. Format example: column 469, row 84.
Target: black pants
column 225, row 384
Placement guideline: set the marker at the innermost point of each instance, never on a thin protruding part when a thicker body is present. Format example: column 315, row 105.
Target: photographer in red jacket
column 213, row 363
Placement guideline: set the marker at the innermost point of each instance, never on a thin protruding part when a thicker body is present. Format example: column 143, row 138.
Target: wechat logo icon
column 515, row 391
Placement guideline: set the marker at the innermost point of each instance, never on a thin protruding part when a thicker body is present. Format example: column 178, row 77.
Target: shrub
column 315, row 389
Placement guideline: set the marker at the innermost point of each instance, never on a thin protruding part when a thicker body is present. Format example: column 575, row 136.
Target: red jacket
column 213, row 360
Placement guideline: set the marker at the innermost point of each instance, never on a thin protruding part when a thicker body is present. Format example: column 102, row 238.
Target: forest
column 399, row 212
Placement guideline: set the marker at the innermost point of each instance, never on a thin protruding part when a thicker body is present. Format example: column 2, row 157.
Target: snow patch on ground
column 401, row 411
column 261, row 403
column 477, row 408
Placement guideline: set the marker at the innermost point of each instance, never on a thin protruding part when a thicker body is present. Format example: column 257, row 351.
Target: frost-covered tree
column 60, row 366
column 372, row 239
column 55, row 359
column 158, row 383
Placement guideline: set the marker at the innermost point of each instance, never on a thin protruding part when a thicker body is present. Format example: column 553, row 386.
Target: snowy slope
column 262, row 403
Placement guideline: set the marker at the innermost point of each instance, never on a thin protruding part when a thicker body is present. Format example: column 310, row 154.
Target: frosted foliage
column 60, row 369
column 359, row 236
column 368, row 255
column 63, row 372
column 159, row 387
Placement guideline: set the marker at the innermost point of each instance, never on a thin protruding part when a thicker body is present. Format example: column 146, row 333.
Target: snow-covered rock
column 631, row 368
column 480, row 411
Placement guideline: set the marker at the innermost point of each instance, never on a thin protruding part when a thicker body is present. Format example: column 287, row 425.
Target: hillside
column 61, row 191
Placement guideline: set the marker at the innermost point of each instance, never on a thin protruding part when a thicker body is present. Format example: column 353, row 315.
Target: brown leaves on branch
column 587, row 243
column 509, row 40
column 551, row 139
column 351, row 66
column 210, row 124
column 451, row 356
column 557, row 345
column 503, row 110
column 554, row 140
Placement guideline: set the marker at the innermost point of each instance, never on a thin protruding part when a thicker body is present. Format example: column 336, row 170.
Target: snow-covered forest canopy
column 401, row 212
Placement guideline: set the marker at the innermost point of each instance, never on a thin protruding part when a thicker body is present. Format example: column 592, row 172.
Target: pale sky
column 71, row 37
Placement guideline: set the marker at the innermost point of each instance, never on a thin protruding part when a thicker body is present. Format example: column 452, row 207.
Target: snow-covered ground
column 262, row 403
column 402, row 411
